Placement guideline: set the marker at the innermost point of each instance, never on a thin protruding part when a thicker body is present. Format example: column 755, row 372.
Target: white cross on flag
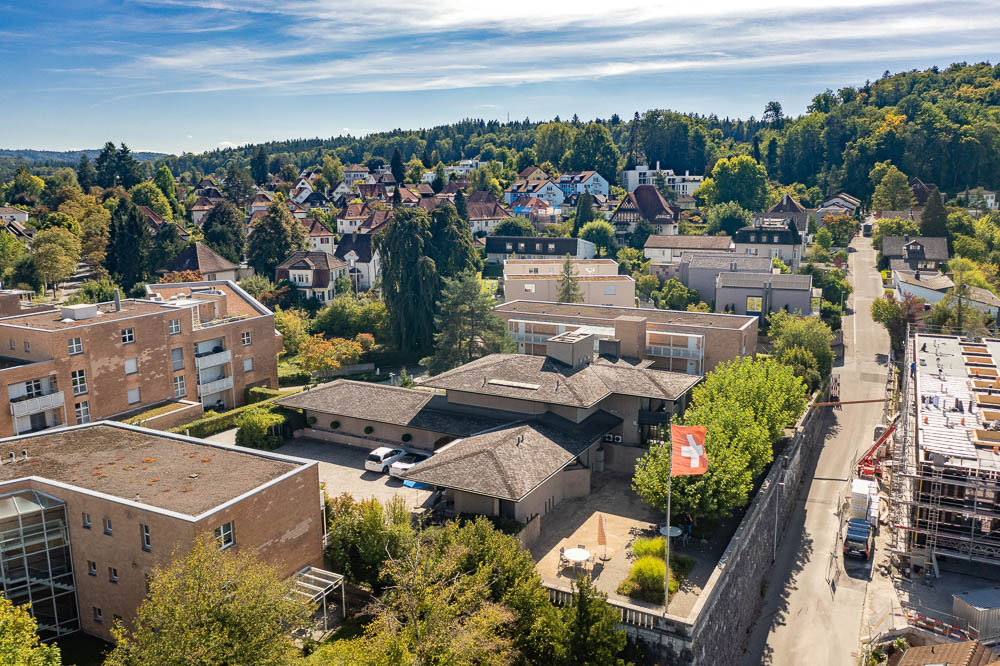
column 688, row 450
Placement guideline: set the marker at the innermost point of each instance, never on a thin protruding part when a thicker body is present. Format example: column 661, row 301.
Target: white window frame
column 248, row 364
column 225, row 536
column 246, row 337
column 128, row 336
column 86, row 520
column 113, row 575
column 174, row 326
column 108, row 527
column 758, row 301
column 78, row 379
column 75, row 346
column 180, row 386
column 91, row 568
column 82, row 410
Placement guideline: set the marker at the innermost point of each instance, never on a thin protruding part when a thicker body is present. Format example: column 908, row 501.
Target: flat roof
column 52, row 320
column 572, row 260
column 609, row 313
column 149, row 467
column 558, row 276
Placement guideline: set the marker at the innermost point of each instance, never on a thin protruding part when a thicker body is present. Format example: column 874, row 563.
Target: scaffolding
column 945, row 477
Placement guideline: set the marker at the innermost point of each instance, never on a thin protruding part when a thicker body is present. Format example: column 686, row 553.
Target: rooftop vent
column 24, row 454
column 10, row 457
column 79, row 311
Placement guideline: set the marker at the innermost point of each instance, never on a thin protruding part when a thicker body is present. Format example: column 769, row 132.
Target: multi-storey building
column 207, row 341
column 87, row 512
column 642, row 175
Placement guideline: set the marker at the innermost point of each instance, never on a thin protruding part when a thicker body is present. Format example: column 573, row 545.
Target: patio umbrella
column 602, row 538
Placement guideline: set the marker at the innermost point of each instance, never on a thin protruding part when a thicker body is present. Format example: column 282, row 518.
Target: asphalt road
column 813, row 605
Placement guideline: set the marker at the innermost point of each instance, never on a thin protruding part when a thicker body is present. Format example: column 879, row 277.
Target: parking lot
column 342, row 470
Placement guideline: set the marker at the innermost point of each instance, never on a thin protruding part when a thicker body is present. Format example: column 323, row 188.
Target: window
column 112, row 575
column 107, row 526
column 82, row 412
column 224, row 535
column 247, row 364
column 247, row 338
column 753, row 238
column 98, row 615
column 12, row 345
column 180, row 387
column 177, row 357
column 75, row 346
column 128, row 336
column 27, row 347
column 133, row 396
column 78, row 378
column 510, row 248
column 131, row 366
column 86, row 521
column 33, row 388
column 91, row 568
column 552, row 247
column 609, row 290
column 144, row 533
column 174, row 326
column 529, row 288
column 754, row 303
column 775, row 238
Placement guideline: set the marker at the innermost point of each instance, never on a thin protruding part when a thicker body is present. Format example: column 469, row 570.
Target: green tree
column 450, row 244
column 409, row 278
column 56, row 252
column 601, row 234
column 292, row 324
column 744, row 405
column 787, row 331
column 440, row 178
column 841, row 228
column 934, row 221
column 258, row 166
column 333, row 170
column 239, row 187
column 803, row 364
column 19, row 642
column 106, row 165
column 148, row 194
column 552, row 141
column 86, row 174
column 396, row 166
column 273, row 238
column 525, row 159
column 94, row 221
column 632, row 261
column 569, row 285
column 594, row 636
column 225, row 231
column 893, row 191
column 461, row 206
column 738, row 179
column 728, row 217
column 514, row 226
column 212, row 606
column 646, row 285
column 584, row 212
column 895, row 315
column 673, row 295
column 130, row 243
column 824, row 238
column 255, row 285
column 94, row 291
column 893, row 227
column 11, row 250
column 593, row 149
column 164, row 180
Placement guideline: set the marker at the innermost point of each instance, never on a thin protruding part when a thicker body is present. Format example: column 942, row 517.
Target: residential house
column 373, row 192
column 921, row 190
column 979, row 198
column 261, row 201
column 700, row 270
column 312, row 273
column 201, row 258
column 774, row 237
column 761, row 294
column 483, row 217
column 354, row 173
column 20, row 231
column 320, row 238
column 917, row 253
column 352, row 217
column 643, row 175
column 541, row 189
column 499, row 248
column 578, row 182
column 338, row 190
column 157, row 223
column 932, row 287
column 90, row 512
column 690, row 342
column 532, row 173
column 789, row 209
column 297, row 210
column 645, row 203
column 536, row 211
column 539, row 280
column 200, row 208
column 961, row 653
column 358, row 254
column 667, row 249
column 846, row 201
column 11, row 214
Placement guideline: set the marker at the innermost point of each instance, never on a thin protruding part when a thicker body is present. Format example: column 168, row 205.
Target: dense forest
column 942, row 125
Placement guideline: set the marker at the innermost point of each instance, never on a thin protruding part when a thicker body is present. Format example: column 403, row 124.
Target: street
column 813, row 606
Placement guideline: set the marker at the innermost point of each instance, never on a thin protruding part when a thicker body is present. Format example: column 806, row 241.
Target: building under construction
column 945, row 475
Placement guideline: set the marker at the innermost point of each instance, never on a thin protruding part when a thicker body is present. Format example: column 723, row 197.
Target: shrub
column 369, row 430
column 334, row 425
column 311, row 420
column 644, row 546
column 292, row 375
column 645, row 580
column 406, row 437
column 366, row 340
column 255, row 428
column 212, row 423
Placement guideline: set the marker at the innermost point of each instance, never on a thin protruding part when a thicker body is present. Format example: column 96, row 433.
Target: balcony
column 217, row 386
column 212, row 360
column 39, row 404
column 665, row 351
column 648, row 417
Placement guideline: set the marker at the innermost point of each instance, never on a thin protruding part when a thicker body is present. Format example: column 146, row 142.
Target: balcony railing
column 212, row 360
column 38, row 404
column 217, row 386
column 668, row 351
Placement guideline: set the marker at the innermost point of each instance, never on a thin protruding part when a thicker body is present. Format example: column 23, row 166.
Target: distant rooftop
column 53, row 319
column 165, row 471
column 611, row 312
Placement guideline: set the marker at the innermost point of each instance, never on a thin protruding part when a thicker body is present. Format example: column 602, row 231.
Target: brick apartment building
column 689, row 342
column 203, row 341
column 87, row 512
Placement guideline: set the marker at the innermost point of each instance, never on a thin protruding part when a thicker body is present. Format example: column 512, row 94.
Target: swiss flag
column 688, row 450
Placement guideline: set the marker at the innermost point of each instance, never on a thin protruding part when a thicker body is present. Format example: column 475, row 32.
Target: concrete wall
column 525, row 267
column 566, row 484
column 790, row 254
column 476, row 504
column 702, row 280
column 594, row 290
column 352, row 431
column 796, row 299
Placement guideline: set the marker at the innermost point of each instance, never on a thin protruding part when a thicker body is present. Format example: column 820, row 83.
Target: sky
column 192, row 75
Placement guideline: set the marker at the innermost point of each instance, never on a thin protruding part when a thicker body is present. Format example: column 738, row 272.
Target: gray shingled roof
column 935, row 248
column 199, row 257
column 541, row 379
column 757, row 280
column 744, row 262
column 689, row 242
column 513, row 460
column 387, row 404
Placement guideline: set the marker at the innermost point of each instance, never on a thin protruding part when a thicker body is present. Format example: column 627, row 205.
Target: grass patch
column 153, row 412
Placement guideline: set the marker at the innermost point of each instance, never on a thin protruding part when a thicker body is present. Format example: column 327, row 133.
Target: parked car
column 381, row 459
column 405, row 463
column 860, row 539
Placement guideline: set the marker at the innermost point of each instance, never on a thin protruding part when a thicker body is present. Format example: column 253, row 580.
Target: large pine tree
column 86, row 174
column 396, row 166
column 934, row 221
column 130, row 242
column 225, row 231
column 569, row 285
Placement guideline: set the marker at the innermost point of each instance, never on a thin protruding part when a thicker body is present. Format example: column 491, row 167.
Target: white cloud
column 224, row 144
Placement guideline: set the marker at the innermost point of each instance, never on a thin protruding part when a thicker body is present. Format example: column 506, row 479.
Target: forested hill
column 63, row 157
column 940, row 125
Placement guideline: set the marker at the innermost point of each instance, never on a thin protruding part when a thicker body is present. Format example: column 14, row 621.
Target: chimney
column 118, row 301
column 24, row 454
column 916, row 274
column 906, row 238
column 732, row 266
column 10, row 457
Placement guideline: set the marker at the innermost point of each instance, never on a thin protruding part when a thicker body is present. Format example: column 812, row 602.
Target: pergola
column 313, row 586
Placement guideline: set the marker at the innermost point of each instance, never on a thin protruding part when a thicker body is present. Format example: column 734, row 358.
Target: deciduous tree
column 787, row 331
column 274, row 237
column 893, row 191
column 601, row 234
column 225, row 231
column 293, row 328
column 148, row 194
column 319, row 356
column 56, row 252
column 239, row 187
column 728, row 217
column 514, row 226
column 19, row 642
column 738, row 179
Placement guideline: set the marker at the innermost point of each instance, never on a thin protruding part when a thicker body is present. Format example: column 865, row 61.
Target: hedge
column 216, row 423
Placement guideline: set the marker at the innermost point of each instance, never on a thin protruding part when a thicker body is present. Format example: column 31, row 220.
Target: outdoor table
column 674, row 531
column 577, row 555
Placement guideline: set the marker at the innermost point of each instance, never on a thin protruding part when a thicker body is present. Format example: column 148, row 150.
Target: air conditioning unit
column 618, row 439
column 609, row 438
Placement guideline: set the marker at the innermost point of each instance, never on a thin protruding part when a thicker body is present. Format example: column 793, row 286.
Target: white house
column 312, row 273
column 545, row 190
column 13, row 214
column 578, row 182
column 643, row 175
column 355, row 172
column 933, row 286
column 361, row 259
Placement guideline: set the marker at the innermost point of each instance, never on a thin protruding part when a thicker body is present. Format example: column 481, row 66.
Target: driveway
column 342, row 470
column 813, row 606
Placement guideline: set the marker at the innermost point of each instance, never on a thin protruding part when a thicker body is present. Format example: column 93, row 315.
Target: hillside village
column 444, row 368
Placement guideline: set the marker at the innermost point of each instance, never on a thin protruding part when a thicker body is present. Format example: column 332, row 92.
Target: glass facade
column 36, row 565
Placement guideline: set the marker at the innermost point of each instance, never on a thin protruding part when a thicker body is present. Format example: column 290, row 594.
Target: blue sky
column 191, row 75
